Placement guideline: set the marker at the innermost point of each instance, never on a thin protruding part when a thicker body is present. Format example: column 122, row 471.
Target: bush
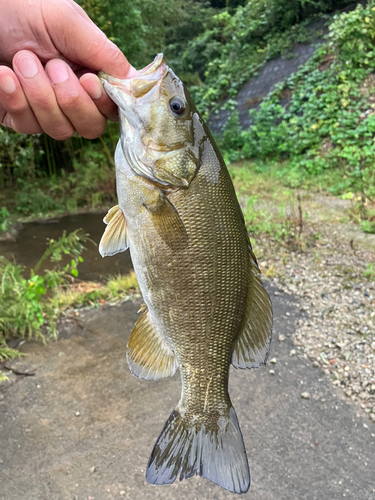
column 23, row 300
column 329, row 124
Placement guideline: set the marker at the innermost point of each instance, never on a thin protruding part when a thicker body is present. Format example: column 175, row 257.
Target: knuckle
column 28, row 129
column 23, row 126
column 15, row 104
column 94, row 132
column 39, row 100
column 68, row 100
column 60, row 135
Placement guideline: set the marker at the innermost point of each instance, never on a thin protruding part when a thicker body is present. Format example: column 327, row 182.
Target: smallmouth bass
column 204, row 303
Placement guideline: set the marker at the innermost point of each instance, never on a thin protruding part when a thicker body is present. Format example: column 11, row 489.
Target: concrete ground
column 83, row 427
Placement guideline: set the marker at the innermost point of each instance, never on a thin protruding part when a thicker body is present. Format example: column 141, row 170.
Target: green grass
column 91, row 294
column 269, row 207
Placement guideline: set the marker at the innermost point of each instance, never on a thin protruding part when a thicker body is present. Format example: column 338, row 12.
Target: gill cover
column 158, row 142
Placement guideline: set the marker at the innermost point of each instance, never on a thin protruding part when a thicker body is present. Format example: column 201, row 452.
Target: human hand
column 52, row 44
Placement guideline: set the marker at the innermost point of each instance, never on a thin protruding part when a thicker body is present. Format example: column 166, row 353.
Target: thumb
column 80, row 41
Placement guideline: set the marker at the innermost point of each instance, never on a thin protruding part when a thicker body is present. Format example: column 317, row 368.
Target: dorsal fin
column 148, row 356
column 114, row 239
column 252, row 345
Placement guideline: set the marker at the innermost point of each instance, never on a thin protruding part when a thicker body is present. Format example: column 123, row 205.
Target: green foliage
column 31, row 197
column 370, row 271
column 117, row 289
column 327, row 130
column 368, row 226
column 235, row 44
column 269, row 208
column 214, row 47
column 23, row 301
column 18, row 154
column 4, row 220
column 138, row 27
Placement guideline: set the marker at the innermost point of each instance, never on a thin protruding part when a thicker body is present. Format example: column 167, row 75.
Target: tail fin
column 217, row 454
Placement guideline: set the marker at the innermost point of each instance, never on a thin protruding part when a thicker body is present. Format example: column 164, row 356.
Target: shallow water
column 31, row 241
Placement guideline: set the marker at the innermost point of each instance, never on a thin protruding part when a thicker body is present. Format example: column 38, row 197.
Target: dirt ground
column 82, row 427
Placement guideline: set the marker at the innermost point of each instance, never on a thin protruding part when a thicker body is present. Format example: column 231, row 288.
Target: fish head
column 157, row 122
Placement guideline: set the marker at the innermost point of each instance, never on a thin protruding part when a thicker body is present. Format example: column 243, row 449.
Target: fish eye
column 177, row 105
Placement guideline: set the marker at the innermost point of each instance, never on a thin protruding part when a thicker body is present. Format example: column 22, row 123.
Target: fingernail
column 96, row 92
column 7, row 85
column 27, row 66
column 57, row 71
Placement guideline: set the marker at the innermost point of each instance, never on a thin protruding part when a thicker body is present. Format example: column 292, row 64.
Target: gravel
column 337, row 301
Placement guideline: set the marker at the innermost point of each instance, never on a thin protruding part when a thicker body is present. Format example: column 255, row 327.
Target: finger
column 15, row 111
column 41, row 96
column 95, row 90
column 73, row 101
column 81, row 41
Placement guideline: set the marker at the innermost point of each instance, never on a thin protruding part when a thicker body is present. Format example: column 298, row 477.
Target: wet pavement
column 82, row 427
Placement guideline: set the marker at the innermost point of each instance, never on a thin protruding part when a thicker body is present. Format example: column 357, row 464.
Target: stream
column 31, row 242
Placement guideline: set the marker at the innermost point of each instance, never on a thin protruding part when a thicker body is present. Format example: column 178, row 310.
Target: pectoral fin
column 167, row 222
column 114, row 239
column 148, row 356
column 252, row 345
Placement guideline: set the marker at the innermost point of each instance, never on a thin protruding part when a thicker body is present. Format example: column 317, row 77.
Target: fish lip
column 153, row 66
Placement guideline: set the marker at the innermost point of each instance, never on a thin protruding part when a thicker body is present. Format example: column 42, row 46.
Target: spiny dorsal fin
column 148, row 356
column 252, row 345
column 114, row 239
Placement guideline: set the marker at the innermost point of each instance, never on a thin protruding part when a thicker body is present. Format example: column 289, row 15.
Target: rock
column 293, row 352
column 77, row 414
column 305, row 395
column 273, row 361
column 281, row 337
column 272, row 372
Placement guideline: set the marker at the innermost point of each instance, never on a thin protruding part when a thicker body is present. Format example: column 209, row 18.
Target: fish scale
column 205, row 305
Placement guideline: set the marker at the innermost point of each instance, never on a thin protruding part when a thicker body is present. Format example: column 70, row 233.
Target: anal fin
column 147, row 355
column 114, row 239
column 252, row 345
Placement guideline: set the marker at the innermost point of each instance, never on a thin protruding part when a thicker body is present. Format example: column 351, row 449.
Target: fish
column 205, row 306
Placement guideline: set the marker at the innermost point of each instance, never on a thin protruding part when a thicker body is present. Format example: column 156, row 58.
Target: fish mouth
column 147, row 70
column 139, row 84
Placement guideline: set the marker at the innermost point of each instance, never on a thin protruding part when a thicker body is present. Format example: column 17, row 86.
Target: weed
column 4, row 220
column 269, row 208
column 23, row 299
column 88, row 294
column 370, row 271
column 368, row 226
